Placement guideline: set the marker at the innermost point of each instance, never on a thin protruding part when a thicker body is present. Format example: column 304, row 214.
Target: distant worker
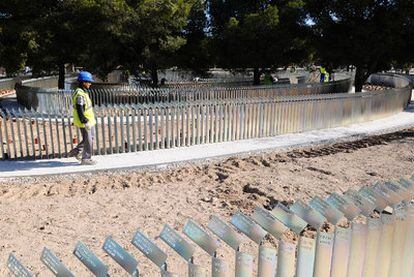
column 268, row 79
column 84, row 119
column 324, row 75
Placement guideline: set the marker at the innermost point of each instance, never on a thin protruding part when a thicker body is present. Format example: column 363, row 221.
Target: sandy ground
column 58, row 211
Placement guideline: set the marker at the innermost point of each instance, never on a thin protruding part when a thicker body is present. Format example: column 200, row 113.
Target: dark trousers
column 86, row 145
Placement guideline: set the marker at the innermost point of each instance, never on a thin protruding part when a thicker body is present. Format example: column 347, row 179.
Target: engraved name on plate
column 196, row 271
column 149, row 249
column 407, row 184
column 220, row 268
column 399, row 189
column 200, row 237
column 365, row 205
column 90, row 260
column 267, row 261
column 373, row 196
column 341, row 250
column 225, row 232
column 248, row 227
column 384, row 257
column 346, row 206
column 286, row 259
column 330, row 213
column 54, row 264
column 16, row 268
column 290, row 219
column 306, row 257
column 358, row 247
column 324, row 245
column 244, row 264
column 176, row 242
column 121, row 256
column 372, row 248
column 168, row 274
column 391, row 197
column 308, row 214
column 269, row 222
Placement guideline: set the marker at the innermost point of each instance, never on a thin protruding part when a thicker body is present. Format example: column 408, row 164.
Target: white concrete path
column 163, row 158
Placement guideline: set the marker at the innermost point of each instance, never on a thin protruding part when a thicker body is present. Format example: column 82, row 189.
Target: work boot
column 88, row 162
column 76, row 154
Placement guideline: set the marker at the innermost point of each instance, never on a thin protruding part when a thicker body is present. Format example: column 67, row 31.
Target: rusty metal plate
column 54, row 264
column 269, row 222
column 90, row 260
column 308, row 214
column 176, row 242
column 225, row 232
column 200, row 237
column 149, row 249
column 330, row 213
column 121, row 256
column 290, row 219
column 248, row 227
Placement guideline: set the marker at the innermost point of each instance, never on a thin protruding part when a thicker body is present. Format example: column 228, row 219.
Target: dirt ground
column 58, row 211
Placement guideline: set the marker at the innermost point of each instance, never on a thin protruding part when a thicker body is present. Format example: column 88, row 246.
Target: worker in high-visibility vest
column 84, row 119
column 324, row 75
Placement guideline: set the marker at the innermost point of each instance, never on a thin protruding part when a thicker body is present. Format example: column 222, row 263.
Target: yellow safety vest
column 88, row 109
column 323, row 71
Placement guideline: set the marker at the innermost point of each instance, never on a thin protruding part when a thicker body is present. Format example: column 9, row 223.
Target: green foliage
column 258, row 34
column 366, row 33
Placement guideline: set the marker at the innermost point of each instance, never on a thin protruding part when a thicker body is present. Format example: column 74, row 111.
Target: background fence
column 57, row 101
column 130, row 128
column 378, row 242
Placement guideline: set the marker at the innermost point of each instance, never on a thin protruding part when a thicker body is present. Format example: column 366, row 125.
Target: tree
column 48, row 34
column 153, row 34
column 16, row 37
column 363, row 33
column 195, row 54
column 258, row 34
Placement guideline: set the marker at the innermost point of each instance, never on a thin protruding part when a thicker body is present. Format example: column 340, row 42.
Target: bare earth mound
column 58, row 211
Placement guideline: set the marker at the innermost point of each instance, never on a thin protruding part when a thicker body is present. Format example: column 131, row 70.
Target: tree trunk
column 256, row 76
column 61, row 80
column 154, row 76
column 359, row 79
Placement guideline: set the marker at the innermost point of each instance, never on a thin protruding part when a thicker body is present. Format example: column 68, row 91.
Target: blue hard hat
column 85, row 76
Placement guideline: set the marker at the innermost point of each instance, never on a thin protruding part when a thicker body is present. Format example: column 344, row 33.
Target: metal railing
column 136, row 127
column 379, row 240
column 56, row 101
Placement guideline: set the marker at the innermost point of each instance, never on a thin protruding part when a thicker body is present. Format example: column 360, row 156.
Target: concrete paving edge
column 163, row 159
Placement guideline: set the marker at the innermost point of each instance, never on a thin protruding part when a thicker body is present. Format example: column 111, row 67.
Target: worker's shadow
column 24, row 165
